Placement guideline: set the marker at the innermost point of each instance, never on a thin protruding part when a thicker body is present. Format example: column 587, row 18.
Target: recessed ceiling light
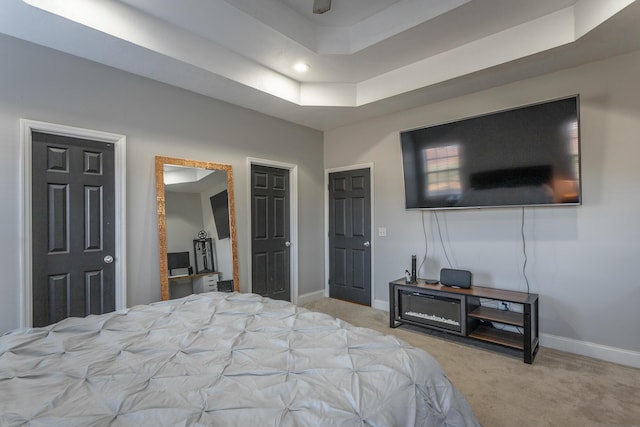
column 301, row 67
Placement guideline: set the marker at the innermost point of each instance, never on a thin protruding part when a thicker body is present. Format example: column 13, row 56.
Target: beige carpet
column 558, row 389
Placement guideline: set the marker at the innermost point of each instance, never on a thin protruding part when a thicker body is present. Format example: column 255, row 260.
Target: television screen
column 177, row 260
column 527, row 156
column 220, row 209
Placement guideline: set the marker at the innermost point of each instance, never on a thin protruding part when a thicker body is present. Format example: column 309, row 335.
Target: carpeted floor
column 559, row 389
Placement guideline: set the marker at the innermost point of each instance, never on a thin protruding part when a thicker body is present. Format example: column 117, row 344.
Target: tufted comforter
column 223, row 360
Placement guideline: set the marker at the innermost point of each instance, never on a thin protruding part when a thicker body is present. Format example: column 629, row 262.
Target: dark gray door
column 350, row 236
column 270, row 223
column 73, row 228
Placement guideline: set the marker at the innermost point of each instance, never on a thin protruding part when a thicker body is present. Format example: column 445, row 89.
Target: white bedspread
column 220, row 359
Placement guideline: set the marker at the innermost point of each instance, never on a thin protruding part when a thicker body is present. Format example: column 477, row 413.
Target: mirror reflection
column 196, row 227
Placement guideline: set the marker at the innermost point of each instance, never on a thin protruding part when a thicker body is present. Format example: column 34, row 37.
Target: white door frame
column 293, row 219
column 326, row 223
column 119, row 142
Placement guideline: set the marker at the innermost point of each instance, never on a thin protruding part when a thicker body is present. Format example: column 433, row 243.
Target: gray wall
column 582, row 260
column 183, row 216
column 45, row 85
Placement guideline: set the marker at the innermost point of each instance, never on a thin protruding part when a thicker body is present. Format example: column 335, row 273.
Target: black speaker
column 414, row 274
column 458, row 278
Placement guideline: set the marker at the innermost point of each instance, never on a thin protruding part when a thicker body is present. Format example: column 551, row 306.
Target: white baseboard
column 583, row 348
column 311, row 296
column 589, row 349
column 381, row 305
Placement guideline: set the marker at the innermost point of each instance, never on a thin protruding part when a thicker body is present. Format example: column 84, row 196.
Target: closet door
column 270, row 232
column 350, row 235
column 73, row 228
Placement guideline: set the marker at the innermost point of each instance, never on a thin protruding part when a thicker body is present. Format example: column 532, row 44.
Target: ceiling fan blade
column 321, row 6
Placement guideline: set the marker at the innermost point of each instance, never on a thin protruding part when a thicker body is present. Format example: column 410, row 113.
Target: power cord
column 426, row 243
column 524, row 251
column 441, row 240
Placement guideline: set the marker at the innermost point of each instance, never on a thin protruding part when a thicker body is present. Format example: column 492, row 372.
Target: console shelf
column 473, row 308
column 503, row 316
column 498, row 336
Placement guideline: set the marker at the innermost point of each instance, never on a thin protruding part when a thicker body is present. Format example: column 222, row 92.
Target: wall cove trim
column 589, row 349
column 381, row 305
column 310, row 297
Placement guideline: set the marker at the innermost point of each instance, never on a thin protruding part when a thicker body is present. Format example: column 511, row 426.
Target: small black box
column 225, row 286
column 458, row 278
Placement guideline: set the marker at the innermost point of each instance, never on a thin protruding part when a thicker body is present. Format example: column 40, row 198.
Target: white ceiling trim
column 128, row 23
column 233, row 56
column 591, row 13
column 381, row 26
column 340, row 40
column 551, row 31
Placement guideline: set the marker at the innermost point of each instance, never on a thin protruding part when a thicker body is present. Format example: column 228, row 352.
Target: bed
column 220, row 359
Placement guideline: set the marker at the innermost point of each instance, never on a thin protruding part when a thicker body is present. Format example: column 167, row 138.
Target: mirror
column 196, row 226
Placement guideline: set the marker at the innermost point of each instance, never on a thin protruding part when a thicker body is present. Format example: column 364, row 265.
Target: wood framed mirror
column 196, row 225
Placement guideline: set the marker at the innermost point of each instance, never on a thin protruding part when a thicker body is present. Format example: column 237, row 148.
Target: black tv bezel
column 178, row 255
column 220, row 210
column 524, row 205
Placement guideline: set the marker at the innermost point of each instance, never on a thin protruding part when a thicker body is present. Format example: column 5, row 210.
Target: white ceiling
column 367, row 57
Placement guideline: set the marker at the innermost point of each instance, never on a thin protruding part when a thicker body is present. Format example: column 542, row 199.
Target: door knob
column 108, row 259
column 367, row 244
column 287, row 243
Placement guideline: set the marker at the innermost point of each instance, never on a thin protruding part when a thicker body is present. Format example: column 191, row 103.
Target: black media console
column 502, row 318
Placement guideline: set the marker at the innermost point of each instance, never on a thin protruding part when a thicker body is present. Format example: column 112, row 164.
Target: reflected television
column 525, row 156
column 177, row 261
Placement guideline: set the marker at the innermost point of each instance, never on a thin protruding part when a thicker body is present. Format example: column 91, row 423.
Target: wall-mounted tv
column 526, row 156
column 177, row 260
column 220, row 209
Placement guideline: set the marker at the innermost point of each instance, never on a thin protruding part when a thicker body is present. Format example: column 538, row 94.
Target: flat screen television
column 176, row 260
column 220, row 209
column 525, row 156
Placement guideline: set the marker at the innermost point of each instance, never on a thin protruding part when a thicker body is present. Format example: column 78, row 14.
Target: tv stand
column 485, row 319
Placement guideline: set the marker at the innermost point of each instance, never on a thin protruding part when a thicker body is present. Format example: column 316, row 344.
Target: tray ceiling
column 366, row 57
